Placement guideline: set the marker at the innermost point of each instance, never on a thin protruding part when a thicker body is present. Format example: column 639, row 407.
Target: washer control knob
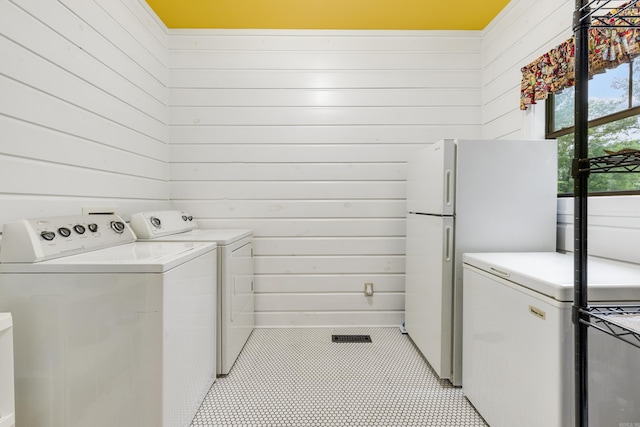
column 185, row 218
column 190, row 218
column 118, row 226
column 155, row 221
column 48, row 235
column 93, row 227
column 79, row 229
column 64, row 231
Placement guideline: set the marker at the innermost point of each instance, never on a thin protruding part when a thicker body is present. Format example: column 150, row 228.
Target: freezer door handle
column 499, row 272
column 448, row 242
column 447, row 188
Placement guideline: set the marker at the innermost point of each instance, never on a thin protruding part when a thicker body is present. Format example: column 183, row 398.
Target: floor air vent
column 350, row 338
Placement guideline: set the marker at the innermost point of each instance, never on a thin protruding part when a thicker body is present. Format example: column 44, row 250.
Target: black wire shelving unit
column 622, row 322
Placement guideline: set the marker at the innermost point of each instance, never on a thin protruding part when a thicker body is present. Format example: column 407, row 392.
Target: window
column 614, row 124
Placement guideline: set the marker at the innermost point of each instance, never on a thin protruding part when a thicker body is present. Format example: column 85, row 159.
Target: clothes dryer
column 108, row 331
column 236, row 318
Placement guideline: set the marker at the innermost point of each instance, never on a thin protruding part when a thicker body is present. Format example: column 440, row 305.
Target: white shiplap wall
column 83, row 108
column 521, row 33
column 303, row 137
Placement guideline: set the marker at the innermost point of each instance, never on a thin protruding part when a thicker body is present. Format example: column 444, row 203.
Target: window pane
column 609, row 92
column 612, row 136
column 635, row 99
column 563, row 107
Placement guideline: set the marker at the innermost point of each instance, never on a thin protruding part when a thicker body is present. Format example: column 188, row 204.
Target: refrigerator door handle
column 447, row 188
column 448, row 237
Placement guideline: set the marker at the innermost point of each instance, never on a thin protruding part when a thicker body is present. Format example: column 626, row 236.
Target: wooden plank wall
column 521, row 33
column 83, row 108
column 303, row 136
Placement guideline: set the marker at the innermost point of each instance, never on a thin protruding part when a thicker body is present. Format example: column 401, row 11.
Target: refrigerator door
column 428, row 288
column 503, row 204
column 431, row 179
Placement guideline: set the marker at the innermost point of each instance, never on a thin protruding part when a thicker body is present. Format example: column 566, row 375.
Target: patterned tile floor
column 298, row 377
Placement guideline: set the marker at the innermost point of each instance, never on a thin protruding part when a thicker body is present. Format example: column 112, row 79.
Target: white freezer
column 498, row 195
column 518, row 341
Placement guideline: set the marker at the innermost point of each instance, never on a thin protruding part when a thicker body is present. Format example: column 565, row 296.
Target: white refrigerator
column 469, row 196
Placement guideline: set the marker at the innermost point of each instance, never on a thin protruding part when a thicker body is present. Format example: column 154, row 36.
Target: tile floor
column 298, row 377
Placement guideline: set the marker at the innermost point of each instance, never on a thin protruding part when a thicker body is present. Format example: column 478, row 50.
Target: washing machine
column 107, row 331
column 236, row 318
column 518, row 352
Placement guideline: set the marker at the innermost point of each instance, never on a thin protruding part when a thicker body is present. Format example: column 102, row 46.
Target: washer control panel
column 33, row 240
column 153, row 224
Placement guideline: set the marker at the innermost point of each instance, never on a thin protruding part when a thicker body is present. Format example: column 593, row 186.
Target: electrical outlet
column 368, row 289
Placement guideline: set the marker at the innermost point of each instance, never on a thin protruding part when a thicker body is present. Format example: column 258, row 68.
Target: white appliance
column 108, row 332
column 518, row 341
column 235, row 274
column 7, row 395
column 469, row 196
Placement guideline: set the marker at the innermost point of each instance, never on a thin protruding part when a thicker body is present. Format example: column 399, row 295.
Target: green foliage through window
column 614, row 124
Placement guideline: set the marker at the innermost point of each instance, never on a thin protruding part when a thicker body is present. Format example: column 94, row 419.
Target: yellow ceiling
column 328, row 14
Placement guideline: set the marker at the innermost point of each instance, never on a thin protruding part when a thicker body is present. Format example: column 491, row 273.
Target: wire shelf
column 622, row 322
column 611, row 14
column 614, row 163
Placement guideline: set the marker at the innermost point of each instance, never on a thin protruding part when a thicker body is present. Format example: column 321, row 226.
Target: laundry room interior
column 295, row 126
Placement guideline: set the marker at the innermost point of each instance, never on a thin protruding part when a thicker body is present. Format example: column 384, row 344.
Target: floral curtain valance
column 554, row 71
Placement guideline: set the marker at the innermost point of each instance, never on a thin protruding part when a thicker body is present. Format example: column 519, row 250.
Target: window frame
column 550, row 133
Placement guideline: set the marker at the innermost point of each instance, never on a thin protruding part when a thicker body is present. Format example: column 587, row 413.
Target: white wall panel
column 521, row 33
column 613, row 227
column 181, row 116
column 273, row 208
column 313, row 227
column 33, row 206
column 292, row 153
column 83, row 111
column 303, row 136
column 39, row 73
column 313, row 319
column 23, row 102
column 273, row 190
column 327, row 264
column 365, row 97
column 287, row 40
column 329, row 79
column 64, row 39
column 52, row 179
column 336, row 134
column 328, row 302
column 239, row 171
column 22, row 139
column 330, row 246
column 332, row 283
column 327, row 60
